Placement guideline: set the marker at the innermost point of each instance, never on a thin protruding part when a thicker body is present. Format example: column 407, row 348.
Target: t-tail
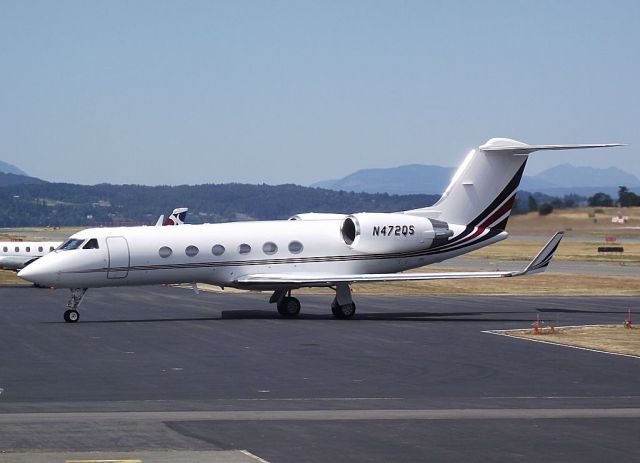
column 482, row 192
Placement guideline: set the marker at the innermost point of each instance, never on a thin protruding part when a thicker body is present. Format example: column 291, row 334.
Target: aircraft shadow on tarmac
column 374, row 316
column 484, row 316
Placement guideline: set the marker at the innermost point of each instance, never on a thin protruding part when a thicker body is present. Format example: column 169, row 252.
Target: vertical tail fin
column 177, row 217
column 482, row 191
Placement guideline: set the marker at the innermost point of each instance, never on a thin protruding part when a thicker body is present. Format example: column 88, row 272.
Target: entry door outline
column 119, row 257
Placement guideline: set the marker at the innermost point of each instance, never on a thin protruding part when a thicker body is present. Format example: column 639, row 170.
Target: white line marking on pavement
column 255, row 457
column 497, row 333
column 326, row 415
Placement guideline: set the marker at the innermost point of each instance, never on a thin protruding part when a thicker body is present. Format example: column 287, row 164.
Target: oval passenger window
column 295, row 247
column 191, row 251
column 269, row 248
column 165, row 251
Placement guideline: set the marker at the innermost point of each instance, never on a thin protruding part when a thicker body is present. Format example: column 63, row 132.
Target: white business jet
column 312, row 250
column 16, row 255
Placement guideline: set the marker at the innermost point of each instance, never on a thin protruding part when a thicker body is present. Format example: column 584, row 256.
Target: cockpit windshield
column 72, row 243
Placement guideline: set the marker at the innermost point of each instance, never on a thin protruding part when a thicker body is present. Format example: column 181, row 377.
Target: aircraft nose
column 39, row 272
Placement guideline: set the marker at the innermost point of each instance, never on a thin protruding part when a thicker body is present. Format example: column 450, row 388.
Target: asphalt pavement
column 161, row 374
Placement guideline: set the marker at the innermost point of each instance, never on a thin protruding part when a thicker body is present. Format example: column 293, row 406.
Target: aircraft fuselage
column 220, row 253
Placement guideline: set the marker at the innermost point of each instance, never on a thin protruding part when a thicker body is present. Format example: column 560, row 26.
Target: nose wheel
column 71, row 315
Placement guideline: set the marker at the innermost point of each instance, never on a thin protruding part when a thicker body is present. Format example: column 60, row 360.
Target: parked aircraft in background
column 313, row 250
column 177, row 217
column 15, row 255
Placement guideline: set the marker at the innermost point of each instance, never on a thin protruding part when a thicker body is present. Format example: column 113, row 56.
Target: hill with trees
column 64, row 204
column 28, row 201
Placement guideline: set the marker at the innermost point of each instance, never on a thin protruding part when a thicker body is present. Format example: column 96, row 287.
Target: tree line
column 64, row 204
column 40, row 203
column 626, row 198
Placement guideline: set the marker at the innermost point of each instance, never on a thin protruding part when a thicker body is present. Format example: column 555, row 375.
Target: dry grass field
column 586, row 229
column 39, row 233
column 607, row 338
column 8, row 277
column 569, row 250
column 580, row 222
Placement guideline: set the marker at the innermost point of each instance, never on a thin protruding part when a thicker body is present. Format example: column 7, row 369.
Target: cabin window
column 28, row 249
column 295, row 247
column 40, row 249
column 269, row 248
column 91, row 244
column 244, row 248
column 191, row 251
column 51, row 248
column 5, row 249
column 17, row 249
column 217, row 250
column 165, row 251
column 70, row 244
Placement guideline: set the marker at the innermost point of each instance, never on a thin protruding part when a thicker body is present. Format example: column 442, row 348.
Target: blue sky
column 169, row 92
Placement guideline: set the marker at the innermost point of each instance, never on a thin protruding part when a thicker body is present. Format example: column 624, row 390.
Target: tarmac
column 161, row 374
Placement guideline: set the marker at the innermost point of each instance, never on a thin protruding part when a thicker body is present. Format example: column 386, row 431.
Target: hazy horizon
column 160, row 92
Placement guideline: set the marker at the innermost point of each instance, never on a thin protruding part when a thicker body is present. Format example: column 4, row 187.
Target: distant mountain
column 18, row 179
column 410, row 179
column 577, row 177
column 416, row 179
column 7, row 168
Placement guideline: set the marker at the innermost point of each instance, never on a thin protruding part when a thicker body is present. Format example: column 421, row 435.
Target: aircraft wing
column 537, row 265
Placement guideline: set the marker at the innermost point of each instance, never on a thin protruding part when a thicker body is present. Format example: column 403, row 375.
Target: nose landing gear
column 71, row 315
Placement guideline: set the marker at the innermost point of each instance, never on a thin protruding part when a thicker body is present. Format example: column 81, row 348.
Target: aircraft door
column 118, row 257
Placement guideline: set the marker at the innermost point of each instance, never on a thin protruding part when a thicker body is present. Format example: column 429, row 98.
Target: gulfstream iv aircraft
column 311, row 250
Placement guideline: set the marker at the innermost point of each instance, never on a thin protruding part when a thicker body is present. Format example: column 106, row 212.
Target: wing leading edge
column 537, row 265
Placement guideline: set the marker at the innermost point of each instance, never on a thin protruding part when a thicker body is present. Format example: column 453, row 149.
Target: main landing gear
column 343, row 305
column 71, row 315
column 289, row 307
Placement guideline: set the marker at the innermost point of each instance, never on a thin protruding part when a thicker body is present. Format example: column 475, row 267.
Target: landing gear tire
column 71, row 316
column 289, row 307
column 343, row 311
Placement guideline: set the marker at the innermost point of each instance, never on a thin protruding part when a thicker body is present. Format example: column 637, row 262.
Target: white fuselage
column 191, row 253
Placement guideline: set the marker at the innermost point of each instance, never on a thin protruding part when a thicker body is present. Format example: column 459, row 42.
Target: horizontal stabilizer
column 516, row 147
column 537, row 265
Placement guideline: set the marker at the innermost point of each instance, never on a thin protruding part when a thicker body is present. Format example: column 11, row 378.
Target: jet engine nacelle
column 383, row 233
